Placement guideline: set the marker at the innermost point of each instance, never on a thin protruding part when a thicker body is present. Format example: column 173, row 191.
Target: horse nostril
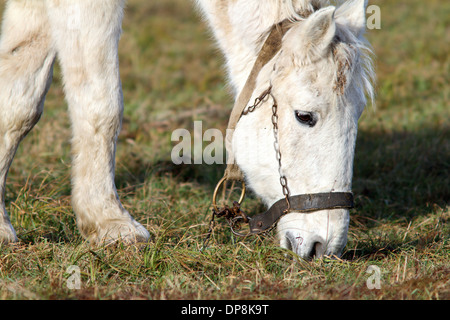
column 308, row 250
column 294, row 241
column 316, row 250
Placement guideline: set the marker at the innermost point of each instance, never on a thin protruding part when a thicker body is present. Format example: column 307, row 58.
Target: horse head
column 300, row 140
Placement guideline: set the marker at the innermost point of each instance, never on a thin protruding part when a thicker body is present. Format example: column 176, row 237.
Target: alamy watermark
column 190, row 149
column 73, row 18
column 208, row 147
column 373, row 17
column 373, row 281
column 73, row 282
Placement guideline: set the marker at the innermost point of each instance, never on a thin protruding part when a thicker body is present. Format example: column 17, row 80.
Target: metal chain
column 283, row 180
column 257, row 102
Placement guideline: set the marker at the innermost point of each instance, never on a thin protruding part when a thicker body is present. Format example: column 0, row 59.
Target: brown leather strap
column 304, row 203
column 269, row 49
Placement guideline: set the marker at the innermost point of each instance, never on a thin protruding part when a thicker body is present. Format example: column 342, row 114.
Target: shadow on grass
column 138, row 171
column 398, row 175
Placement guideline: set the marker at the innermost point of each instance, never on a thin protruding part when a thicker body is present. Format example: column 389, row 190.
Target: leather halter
column 303, row 203
column 269, row 49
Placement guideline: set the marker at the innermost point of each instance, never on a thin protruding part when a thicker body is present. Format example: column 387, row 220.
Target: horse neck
column 240, row 29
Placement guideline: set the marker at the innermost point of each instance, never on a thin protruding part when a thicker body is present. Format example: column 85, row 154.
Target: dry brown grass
column 172, row 75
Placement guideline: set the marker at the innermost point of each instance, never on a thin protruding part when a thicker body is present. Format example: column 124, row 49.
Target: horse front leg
column 26, row 61
column 86, row 35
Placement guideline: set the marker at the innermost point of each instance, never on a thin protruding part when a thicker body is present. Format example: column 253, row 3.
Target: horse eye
column 305, row 118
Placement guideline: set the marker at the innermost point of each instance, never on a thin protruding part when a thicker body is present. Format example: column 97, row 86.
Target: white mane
column 363, row 72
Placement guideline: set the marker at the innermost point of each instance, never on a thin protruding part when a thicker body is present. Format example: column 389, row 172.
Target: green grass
column 173, row 75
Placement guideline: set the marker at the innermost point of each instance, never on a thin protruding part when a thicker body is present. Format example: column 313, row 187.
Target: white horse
column 319, row 80
column 84, row 35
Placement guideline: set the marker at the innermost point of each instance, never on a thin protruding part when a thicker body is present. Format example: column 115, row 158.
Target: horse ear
column 318, row 31
column 353, row 14
column 309, row 39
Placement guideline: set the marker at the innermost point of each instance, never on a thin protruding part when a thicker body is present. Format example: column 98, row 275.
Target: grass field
column 172, row 75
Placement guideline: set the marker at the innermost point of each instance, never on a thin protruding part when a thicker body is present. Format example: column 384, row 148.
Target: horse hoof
column 7, row 235
column 120, row 232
